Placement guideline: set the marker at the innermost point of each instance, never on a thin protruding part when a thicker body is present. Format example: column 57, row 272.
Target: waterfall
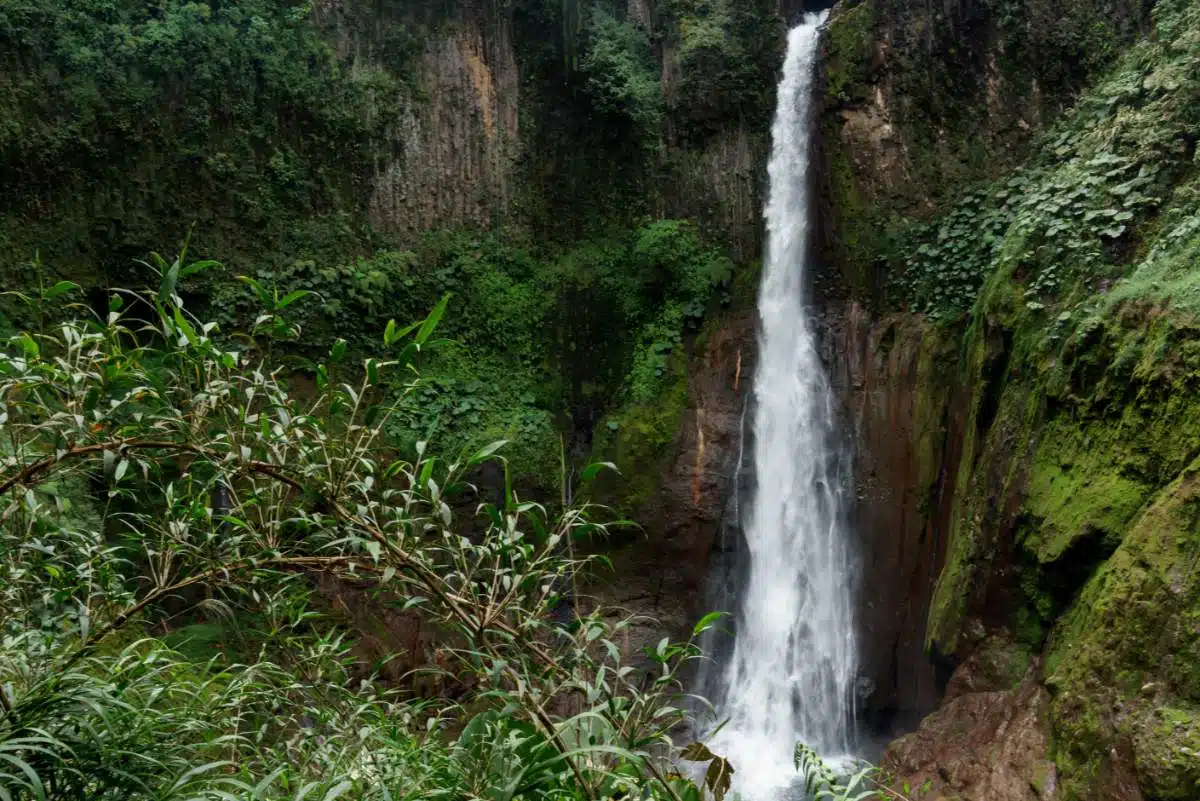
column 790, row 676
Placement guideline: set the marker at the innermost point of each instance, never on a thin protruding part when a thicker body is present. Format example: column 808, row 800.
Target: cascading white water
column 791, row 674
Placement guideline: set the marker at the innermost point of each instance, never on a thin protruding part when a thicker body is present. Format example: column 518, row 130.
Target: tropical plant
column 154, row 468
column 859, row 781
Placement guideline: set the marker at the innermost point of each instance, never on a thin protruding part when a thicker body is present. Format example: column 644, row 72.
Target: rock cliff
column 1014, row 226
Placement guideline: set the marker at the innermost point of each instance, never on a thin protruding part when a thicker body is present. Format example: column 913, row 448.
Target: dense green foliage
column 728, row 53
column 256, row 127
column 538, row 336
column 626, row 93
column 155, row 472
column 953, row 102
column 620, row 75
column 125, row 120
column 1066, row 225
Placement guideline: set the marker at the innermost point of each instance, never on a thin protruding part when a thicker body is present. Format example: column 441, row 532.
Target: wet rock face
column 1057, row 513
column 451, row 158
column 720, row 182
column 458, row 145
column 663, row 571
column 460, row 155
column 898, row 406
column 923, row 99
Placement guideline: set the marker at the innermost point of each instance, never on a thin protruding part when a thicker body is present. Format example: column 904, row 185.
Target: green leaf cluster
column 1068, row 224
column 620, row 74
column 728, row 55
column 220, row 498
column 120, row 119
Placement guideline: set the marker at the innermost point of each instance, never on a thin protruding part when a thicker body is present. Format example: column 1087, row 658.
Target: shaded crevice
column 993, row 373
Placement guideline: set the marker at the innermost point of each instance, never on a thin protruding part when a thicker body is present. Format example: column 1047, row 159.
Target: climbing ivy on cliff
column 1065, row 226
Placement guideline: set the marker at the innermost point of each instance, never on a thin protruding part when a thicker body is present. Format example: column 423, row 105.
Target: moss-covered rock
column 1130, row 646
column 1074, row 521
column 1167, row 748
column 638, row 438
column 846, row 57
column 1077, row 488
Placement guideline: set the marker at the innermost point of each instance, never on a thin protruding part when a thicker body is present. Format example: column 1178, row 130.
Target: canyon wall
column 1021, row 382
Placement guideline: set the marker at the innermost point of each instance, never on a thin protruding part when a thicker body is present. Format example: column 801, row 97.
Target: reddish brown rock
column 904, row 415
column 663, row 573
column 979, row 746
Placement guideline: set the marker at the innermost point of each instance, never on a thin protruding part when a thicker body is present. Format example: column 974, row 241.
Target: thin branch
column 128, row 614
column 48, row 464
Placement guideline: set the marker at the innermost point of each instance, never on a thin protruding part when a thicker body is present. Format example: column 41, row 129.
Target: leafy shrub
column 120, row 119
column 217, row 489
column 946, row 261
column 620, row 74
column 728, row 54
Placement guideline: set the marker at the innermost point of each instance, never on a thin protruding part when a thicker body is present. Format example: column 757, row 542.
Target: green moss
column 1004, row 663
column 847, row 53
column 936, row 359
column 1132, row 638
column 999, row 424
column 1075, row 519
column 1167, row 750
column 639, row 436
column 856, row 224
column 1076, row 487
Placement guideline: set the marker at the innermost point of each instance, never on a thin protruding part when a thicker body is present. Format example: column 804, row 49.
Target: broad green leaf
column 199, row 770
column 706, row 622
column 61, row 288
column 431, row 322
column 593, row 470
column 263, row 297
column 197, row 266
column 186, row 327
column 29, row 345
column 34, row 781
column 292, row 297
column 170, row 279
column 392, row 335
column 487, row 451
